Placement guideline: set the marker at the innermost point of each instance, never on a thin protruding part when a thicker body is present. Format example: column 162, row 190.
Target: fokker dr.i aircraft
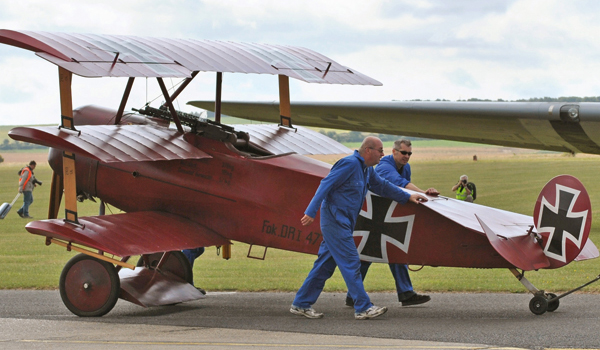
column 203, row 183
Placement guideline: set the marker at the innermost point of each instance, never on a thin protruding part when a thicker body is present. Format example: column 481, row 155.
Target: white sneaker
column 372, row 312
column 309, row 313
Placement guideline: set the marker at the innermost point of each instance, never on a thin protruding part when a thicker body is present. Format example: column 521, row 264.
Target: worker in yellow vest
column 463, row 192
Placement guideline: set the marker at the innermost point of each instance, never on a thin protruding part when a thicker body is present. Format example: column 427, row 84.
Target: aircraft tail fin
column 563, row 218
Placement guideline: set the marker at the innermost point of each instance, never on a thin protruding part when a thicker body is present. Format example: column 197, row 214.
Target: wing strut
column 66, row 110
column 285, row 109
column 183, row 85
column 124, row 100
column 169, row 103
column 218, row 97
column 56, row 190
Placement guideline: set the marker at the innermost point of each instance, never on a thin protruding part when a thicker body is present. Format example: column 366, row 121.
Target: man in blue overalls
column 340, row 197
column 395, row 169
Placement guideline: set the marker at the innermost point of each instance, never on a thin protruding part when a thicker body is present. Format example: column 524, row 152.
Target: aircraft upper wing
column 553, row 126
column 131, row 233
column 113, row 143
column 95, row 55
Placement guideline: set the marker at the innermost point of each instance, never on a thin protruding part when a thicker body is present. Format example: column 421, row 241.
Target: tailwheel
column 538, row 304
column 552, row 305
column 176, row 264
column 89, row 287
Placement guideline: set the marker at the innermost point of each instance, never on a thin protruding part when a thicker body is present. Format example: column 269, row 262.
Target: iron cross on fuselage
column 377, row 225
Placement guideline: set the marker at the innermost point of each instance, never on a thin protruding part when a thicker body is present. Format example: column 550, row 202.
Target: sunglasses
column 404, row 152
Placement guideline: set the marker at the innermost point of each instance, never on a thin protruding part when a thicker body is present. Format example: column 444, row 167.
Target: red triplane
column 203, row 183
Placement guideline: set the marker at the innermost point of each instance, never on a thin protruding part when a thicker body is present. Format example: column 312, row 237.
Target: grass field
column 509, row 182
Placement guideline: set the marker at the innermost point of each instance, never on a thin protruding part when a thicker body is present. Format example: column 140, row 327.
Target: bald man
column 340, row 197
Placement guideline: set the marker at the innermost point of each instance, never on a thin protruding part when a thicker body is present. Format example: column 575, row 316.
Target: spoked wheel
column 176, row 264
column 89, row 287
column 538, row 305
column 553, row 305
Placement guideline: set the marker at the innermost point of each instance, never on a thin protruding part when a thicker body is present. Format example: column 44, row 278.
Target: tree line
column 540, row 99
column 6, row 145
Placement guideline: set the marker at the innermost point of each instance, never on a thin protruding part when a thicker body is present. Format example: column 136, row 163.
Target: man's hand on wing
column 432, row 192
column 417, row 198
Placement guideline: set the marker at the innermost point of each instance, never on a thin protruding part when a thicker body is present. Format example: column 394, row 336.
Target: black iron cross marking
column 377, row 227
column 562, row 223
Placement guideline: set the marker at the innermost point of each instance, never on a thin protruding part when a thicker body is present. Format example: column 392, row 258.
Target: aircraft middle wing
column 131, row 233
column 114, row 143
column 553, row 126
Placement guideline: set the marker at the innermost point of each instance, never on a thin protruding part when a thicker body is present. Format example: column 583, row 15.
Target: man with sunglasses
column 340, row 197
column 395, row 169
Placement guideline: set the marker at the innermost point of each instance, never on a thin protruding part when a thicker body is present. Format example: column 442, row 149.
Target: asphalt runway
column 39, row 320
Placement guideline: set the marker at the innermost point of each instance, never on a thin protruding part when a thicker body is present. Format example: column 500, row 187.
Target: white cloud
column 417, row 49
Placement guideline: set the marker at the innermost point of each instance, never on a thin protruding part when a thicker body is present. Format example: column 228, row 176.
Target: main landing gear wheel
column 553, row 305
column 89, row 287
column 176, row 264
column 538, row 305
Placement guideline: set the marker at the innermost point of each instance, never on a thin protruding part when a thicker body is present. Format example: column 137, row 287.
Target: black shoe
column 416, row 300
column 201, row 290
column 349, row 302
column 20, row 214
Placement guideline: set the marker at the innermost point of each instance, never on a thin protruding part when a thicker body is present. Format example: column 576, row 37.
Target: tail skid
column 542, row 301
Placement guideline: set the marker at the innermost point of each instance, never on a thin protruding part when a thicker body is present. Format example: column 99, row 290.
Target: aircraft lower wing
column 553, row 126
column 131, row 233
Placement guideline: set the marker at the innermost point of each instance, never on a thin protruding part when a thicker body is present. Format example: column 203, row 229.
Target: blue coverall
column 192, row 255
column 388, row 170
column 340, row 196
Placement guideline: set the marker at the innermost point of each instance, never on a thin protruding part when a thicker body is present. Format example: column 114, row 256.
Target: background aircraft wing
column 113, row 143
column 97, row 55
column 131, row 233
column 553, row 126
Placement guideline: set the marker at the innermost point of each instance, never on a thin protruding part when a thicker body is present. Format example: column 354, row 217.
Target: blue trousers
column 337, row 249
column 404, row 286
column 192, row 255
column 27, row 200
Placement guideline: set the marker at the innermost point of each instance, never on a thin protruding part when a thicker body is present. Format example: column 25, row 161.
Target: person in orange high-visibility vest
column 27, row 183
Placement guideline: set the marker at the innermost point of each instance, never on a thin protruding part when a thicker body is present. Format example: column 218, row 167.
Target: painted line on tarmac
column 272, row 345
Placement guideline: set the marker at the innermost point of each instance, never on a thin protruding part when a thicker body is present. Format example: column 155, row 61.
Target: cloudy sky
column 425, row 49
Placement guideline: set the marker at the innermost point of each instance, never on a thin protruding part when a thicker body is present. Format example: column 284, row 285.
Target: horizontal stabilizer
column 589, row 251
column 279, row 140
column 522, row 251
column 131, row 233
column 113, row 143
